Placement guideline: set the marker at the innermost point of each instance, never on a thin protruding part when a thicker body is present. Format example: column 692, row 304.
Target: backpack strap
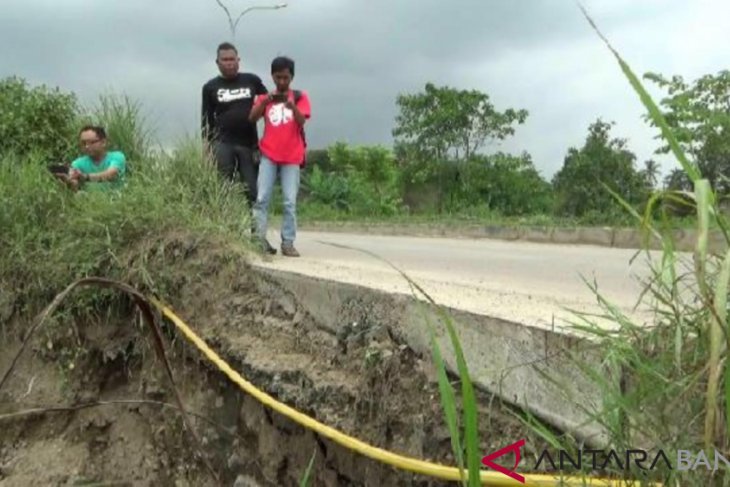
column 297, row 97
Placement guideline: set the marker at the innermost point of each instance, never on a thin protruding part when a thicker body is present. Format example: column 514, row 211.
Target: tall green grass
column 51, row 236
column 666, row 386
column 126, row 124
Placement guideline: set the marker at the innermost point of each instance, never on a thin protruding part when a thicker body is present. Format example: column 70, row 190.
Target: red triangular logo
column 514, row 447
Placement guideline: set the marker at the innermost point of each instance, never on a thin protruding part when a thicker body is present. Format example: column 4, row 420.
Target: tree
column 699, row 114
column 650, row 174
column 602, row 160
column 444, row 122
column 507, row 184
column 677, row 180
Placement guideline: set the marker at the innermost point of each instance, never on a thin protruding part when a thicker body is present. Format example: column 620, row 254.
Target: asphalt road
column 530, row 283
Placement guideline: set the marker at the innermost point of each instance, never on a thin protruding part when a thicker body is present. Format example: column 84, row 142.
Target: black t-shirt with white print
column 226, row 106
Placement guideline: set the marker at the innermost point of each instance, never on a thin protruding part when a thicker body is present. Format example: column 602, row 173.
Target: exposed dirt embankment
column 366, row 382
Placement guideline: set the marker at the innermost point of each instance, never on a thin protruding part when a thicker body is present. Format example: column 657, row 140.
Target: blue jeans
column 265, row 188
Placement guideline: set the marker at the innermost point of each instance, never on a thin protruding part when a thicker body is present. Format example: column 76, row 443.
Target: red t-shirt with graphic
column 282, row 141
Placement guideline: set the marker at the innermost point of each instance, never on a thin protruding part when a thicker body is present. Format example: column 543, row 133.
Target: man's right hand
column 71, row 180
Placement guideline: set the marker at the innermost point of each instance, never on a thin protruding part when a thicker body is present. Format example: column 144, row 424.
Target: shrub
column 362, row 181
column 37, row 120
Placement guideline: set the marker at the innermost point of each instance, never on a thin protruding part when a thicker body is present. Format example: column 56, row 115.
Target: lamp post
column 233, row 24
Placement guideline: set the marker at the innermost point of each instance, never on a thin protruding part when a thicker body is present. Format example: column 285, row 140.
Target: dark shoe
column 289, row 250
column 267, row 247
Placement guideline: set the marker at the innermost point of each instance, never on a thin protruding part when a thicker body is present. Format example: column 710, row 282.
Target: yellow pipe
column 400, row 462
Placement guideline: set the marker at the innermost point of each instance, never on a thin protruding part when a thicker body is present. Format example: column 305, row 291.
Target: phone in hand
column 58, row 169
column 279, row 97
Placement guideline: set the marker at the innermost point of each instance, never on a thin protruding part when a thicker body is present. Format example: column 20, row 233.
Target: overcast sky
column 355, row 56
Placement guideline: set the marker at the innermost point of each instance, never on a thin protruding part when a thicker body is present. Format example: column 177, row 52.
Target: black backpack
column 297, row 97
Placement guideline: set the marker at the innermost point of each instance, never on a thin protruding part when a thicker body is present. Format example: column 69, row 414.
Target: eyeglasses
column 86, row 143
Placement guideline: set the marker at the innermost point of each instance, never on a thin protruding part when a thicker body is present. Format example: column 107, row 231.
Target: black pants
column 236, row 163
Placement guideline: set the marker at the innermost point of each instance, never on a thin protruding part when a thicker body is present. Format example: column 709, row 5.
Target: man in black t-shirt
column 227, row 101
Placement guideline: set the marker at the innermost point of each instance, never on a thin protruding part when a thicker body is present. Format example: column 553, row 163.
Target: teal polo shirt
column 115, row 159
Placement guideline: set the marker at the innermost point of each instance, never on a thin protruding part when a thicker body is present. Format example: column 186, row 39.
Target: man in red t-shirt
column 282, row 151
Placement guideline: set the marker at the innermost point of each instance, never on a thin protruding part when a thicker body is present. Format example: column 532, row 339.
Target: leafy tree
column 37, row 120
column 507, row 184
column 699, row 113
column 444, row 122
column 650, row 174
column 677, row 180
column 602, row 160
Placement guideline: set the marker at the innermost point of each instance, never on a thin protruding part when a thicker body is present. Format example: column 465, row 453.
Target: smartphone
column 58, row 169
column 279, row 97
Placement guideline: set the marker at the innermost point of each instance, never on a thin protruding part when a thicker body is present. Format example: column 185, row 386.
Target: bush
column 329, row 190
column 362, row 181
column 37, row 120
column 503, row 183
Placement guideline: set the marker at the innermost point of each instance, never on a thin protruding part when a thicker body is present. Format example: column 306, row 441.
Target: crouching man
column 98, row 168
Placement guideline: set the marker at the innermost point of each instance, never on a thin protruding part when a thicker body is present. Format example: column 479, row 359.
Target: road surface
column 530, row 283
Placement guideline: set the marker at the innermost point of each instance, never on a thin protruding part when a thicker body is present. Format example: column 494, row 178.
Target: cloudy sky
column 355, row 56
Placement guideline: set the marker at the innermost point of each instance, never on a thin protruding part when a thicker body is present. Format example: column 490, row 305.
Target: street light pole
column 233, row 24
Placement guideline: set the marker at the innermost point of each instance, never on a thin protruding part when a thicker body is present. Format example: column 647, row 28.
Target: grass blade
column 471, row 433
column 305, row 481
column 727, row 395
column 721, row 317
column 714, row 332
column 702, row 194
column 537, row 426
column 446, row 392
column 654, row 112
column 448, row 398
column 634, row 213
column 473, row 458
